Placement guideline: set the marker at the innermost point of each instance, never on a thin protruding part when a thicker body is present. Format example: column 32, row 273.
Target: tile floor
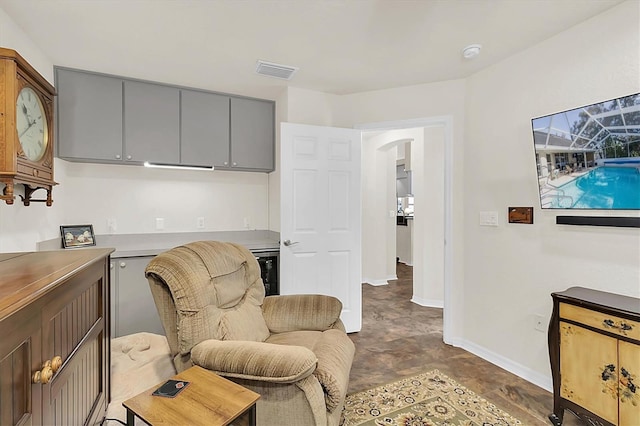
column 400, row 339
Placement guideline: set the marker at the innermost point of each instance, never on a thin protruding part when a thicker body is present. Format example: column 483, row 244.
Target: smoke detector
column 471, row 51
column 284, row 72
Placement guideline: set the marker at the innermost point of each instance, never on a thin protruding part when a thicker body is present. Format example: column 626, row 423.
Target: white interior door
column 320, row 216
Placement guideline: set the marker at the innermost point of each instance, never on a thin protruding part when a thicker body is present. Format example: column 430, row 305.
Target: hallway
column 400, row 338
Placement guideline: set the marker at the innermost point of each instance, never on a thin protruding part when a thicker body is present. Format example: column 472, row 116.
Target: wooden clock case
column 15, row 167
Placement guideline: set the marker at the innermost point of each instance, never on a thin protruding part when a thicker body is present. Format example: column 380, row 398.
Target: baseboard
column 392, row 278
column 374, row 282
column 429, row 303
column 519, row 370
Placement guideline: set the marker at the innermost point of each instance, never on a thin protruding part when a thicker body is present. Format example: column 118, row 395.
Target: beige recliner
column 292, row 350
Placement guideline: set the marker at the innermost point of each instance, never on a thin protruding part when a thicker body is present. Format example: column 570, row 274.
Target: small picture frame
column 74, row 236
column 521, row 215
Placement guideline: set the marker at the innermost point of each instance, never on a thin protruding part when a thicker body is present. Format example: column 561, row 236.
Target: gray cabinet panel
column 134, row 308
column 151, row 123
column 204, row 129
column 89, row 116
column 252, row 134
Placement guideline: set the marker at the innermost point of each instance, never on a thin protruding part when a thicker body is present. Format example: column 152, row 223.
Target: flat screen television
column 589, row 157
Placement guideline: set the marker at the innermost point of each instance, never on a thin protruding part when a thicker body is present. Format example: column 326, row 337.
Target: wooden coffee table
column 208, row 400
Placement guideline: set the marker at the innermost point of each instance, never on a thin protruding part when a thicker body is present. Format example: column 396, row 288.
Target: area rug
column 428, row 399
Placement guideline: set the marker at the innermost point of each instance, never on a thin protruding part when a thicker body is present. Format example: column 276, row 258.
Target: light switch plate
column 489, row 218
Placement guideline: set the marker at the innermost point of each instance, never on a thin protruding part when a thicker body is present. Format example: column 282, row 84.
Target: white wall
column 504, row 275
column 20, row 226
column 378, row 198
column 511, row 270
column 428, row 165
column 133, row 195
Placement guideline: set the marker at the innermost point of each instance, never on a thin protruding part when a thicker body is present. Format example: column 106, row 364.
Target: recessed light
column 471, row 51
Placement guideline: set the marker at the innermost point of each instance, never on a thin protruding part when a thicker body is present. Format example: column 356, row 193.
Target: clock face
column 31, row 124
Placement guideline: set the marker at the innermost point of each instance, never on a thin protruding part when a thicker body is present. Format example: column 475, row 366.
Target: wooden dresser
column 594, row 348
column 54, row 337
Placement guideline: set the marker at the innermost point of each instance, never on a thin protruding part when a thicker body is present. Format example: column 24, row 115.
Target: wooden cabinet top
column 25, row 277
column 594, row 298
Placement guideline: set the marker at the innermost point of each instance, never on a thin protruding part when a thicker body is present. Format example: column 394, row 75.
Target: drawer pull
column 49, row 368
column 56, row 363
column 622, row 326
column 43, row 376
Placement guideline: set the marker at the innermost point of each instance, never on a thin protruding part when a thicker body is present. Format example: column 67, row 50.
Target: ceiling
column 340, row 46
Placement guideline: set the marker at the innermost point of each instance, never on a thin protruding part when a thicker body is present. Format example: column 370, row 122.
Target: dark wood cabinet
column 594, row 349
column 54, row 351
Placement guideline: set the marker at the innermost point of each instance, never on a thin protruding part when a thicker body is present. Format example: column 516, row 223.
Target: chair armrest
column 301, row 312
column 255, row 360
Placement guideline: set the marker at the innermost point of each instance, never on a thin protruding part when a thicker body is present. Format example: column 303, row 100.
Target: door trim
column 445, row 121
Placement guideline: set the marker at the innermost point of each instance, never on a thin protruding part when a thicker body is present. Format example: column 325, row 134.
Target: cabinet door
column 135, row 309
column 204, row 129
column 589, row 369
column 20, row 349
column 89, row 114
column 629, row 380
column 151, row 123
column 74, row 328
column 252, row 134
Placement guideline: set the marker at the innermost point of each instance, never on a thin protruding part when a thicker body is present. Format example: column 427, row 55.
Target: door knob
column 289, row 243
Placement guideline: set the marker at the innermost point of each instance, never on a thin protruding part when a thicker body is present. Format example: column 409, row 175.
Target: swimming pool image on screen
column 616, row 188
column 589, row 157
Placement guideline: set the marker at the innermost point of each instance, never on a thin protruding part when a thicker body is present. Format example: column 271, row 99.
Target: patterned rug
column 428, row 399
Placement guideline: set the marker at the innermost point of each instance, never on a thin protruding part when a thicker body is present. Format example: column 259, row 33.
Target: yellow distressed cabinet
column 594, row 349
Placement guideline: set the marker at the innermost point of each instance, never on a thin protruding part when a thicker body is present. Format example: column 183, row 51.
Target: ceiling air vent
column 270, row 69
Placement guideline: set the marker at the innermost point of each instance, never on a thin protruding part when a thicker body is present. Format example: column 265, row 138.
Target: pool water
column 603, row 188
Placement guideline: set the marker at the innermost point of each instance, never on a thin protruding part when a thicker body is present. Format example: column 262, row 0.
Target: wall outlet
column 200, row 223
column 159, row 223
column 539, row 322
column 112, row 226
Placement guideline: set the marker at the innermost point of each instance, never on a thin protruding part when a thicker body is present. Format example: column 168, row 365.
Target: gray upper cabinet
column 111, row 119
column 204, row 129
column 89, row 114
column 151, row 123
column 252, row 134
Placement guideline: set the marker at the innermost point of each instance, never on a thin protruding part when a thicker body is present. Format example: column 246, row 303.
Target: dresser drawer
column 605, row 322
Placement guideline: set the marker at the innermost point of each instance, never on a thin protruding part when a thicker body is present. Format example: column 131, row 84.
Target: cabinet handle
column 56, row 363
column 235, row 164
column 123, row 264
column 43, row 376
column 49, row 368
column 226, row 163
column 111, row 266
column 118, row 156
column 128, row 157
column 623, row 326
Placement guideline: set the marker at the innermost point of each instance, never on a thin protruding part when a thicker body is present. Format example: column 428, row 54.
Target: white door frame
column 446, row 122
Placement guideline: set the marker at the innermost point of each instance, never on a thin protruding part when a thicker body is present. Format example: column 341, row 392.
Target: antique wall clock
column 26, row 129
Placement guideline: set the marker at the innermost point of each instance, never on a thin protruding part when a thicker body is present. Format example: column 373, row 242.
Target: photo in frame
column 74, row 236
